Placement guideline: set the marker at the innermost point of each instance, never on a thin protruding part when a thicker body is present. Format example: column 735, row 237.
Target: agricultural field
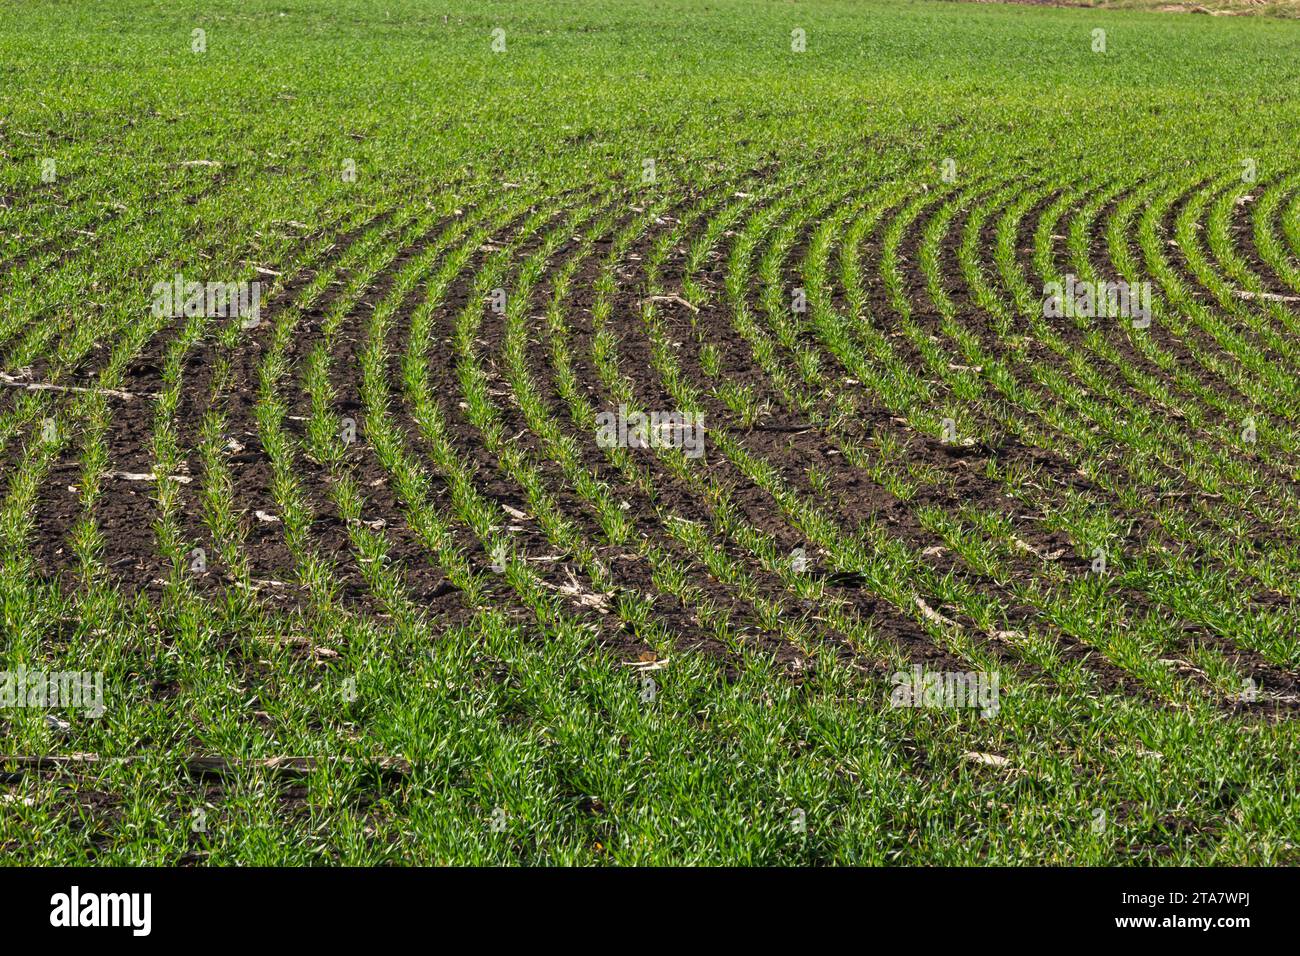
column 1217, row 8
column 624, row 432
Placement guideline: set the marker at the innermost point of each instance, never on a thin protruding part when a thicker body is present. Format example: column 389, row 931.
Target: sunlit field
column 648, row 432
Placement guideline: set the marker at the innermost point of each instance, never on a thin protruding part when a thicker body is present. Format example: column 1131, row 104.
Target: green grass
column 1264, row 8
column 378, row 532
